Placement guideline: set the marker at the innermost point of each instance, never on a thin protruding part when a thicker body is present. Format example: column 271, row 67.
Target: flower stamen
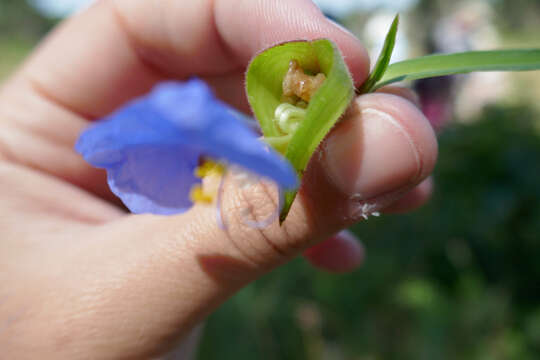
column 199, row 196
column 210, row 173
column 209, row 167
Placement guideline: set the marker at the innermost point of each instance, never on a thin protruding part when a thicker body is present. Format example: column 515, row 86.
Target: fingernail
column 371, row 155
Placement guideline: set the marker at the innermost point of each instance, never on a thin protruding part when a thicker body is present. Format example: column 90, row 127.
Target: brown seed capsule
column 299, row 84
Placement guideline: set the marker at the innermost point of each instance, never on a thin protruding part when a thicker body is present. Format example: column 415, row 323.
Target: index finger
column 119, row 49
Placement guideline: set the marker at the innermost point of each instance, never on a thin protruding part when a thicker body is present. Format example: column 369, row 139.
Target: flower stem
column 279, row 143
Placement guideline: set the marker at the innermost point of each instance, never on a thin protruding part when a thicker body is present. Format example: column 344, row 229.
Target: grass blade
column 460, row 63
column 384, row 59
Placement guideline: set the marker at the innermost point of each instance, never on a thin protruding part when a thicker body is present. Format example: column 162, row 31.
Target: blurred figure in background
column 461, row 26
column 468, row 27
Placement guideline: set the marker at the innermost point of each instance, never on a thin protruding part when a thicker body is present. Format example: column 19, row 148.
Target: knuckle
column 252, row 215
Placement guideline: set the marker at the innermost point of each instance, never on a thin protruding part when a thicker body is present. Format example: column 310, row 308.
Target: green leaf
column 384, row 58
column 460, row 63
column 265, row 93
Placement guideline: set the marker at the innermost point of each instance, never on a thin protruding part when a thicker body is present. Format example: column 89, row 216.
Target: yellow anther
column 198, row 196
column 210, row 172
column 208, row 168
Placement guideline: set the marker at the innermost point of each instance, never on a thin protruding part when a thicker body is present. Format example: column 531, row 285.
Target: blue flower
column 152, row 146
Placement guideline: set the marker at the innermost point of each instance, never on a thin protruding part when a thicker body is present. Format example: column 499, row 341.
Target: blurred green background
column 458, row 279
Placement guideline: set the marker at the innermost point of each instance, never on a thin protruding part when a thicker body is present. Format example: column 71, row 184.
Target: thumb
column 382, row 149
column 165, row 274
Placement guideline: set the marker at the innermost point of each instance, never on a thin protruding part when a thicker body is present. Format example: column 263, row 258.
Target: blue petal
column 151, row 179
column 148, row 166
column 151, row 146
column 216, row 128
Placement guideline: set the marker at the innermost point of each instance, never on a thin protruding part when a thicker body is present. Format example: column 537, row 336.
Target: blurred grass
column 21, row 27
column 13, row 50
column 525, row 85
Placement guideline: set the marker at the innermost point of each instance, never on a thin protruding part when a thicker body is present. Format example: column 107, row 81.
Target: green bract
column 296, row 130
column 265, row 94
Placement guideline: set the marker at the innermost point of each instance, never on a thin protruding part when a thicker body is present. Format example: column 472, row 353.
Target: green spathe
column 265, row 94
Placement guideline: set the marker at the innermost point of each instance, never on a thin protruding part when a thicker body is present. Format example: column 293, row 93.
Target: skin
column 81, row 278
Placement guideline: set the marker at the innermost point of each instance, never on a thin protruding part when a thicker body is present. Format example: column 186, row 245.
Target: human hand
column 83, row 279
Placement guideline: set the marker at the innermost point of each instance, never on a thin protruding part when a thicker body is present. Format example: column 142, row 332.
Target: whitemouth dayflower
column 158, row 148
